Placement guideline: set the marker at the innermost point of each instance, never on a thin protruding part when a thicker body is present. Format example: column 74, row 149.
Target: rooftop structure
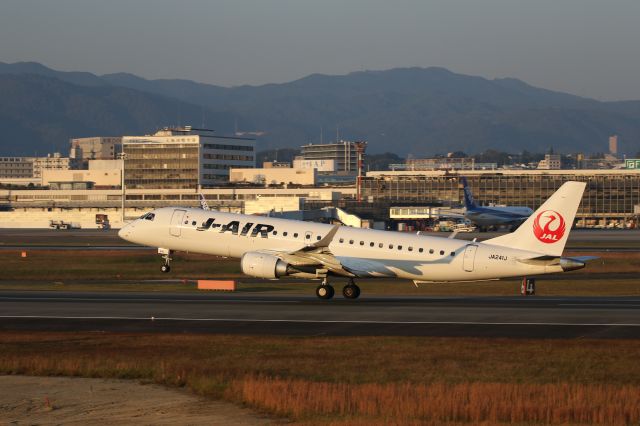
column 16, row 168
column 344, row 153
column 94, row 148
column 53, row 161
column 444, row 163
column 550, row 162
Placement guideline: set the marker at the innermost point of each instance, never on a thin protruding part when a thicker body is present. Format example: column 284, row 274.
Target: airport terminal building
column 610, row 195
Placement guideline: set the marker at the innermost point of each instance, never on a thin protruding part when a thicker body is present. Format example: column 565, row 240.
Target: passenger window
column 193, row 223
column 275, row 232
column 430, row 251
column 390, row 246
column 371, row 244
column 410, row 248
column 318, row 238
column 308, row 236
column 342, row 240
column 361, row 243
column 420, row 249
column 285, row 233
column 453, row 253
column 380, row 245
column 441, row 252
column 295, row 235
column 350, row 241
column 186, row 222
column 399, row 247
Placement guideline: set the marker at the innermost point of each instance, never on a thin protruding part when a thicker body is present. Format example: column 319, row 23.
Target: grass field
column 361, row 380
column 138, row 270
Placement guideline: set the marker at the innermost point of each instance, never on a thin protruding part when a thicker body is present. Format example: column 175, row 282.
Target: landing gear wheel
column 325, row 291
column 165, row 268
column 351, row 291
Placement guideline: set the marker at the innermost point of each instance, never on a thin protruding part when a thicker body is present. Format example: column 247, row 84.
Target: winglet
column 326, row 240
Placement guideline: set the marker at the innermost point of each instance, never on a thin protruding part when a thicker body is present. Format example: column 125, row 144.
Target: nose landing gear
column 166, row 255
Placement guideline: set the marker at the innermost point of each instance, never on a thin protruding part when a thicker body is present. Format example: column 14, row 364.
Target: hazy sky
column 586, row 47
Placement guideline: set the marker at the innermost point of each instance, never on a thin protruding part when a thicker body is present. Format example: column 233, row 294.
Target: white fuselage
column 363, row 252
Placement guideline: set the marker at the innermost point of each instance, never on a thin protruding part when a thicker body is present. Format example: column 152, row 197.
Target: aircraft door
column 176, row 221
column 469, row 257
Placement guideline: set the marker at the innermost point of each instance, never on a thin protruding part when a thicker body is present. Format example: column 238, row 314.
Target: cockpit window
column 149, row 216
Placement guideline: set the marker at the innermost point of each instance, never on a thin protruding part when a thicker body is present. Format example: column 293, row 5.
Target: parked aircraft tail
column 547, row 229
column 469, row 202
column 203, row 202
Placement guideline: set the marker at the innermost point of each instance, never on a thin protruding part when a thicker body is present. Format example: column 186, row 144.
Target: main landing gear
column 351, row 290
column 325, row 290
column 166, row 255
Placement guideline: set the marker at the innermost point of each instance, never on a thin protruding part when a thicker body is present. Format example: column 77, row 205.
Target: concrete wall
column 278, row 204
column 327, row 165
column 105, row 164
column 274, row 175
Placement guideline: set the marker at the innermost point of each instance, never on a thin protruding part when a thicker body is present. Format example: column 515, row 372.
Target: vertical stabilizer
column 469, row 202
column 203, row 202
column 547, row 229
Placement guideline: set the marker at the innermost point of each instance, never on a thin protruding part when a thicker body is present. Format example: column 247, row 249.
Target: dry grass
column 440, row 402
column 361, row 380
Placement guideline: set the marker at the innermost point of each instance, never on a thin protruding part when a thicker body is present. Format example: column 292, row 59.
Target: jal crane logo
column 549, row 226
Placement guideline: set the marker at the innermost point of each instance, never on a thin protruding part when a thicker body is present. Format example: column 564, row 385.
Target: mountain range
column 408, row 111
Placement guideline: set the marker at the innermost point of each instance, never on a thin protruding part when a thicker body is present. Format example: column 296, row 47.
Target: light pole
column 122, row 156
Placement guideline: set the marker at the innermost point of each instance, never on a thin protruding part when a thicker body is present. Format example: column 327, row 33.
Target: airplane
column 273, row 248
column 492, row 216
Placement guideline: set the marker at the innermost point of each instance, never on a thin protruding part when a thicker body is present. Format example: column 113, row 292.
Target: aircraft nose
column 124, row 232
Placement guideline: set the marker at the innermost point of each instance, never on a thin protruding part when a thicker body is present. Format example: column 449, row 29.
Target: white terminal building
column 184, row 158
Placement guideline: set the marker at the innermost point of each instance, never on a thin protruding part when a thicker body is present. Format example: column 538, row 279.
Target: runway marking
column 304, row 321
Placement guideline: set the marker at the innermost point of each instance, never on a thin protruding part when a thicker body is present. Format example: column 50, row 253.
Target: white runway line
column 304, row 321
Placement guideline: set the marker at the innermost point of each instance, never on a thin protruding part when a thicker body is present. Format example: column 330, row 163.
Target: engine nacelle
column 263, row 265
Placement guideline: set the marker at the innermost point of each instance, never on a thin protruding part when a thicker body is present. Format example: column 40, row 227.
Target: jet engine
column 263, row 265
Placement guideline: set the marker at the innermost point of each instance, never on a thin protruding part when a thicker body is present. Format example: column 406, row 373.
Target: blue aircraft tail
column 469, row 202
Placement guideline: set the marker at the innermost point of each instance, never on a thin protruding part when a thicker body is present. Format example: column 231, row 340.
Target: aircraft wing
column 316, row 255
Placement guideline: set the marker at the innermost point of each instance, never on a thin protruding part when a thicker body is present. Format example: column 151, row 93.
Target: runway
column 514, row 317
